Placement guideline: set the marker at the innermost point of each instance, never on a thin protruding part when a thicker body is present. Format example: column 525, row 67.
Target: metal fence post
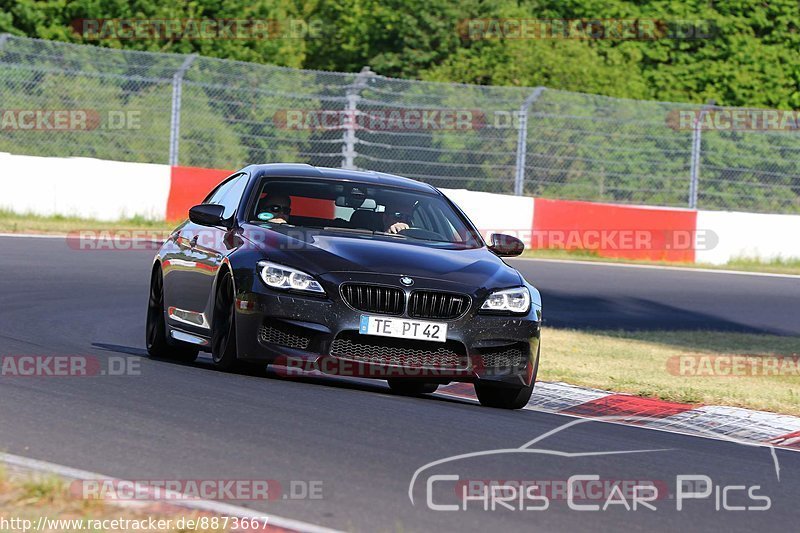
column 353, row 96
column 3, row 38
column 694, row 171
column 175, row 123
column 522, row 140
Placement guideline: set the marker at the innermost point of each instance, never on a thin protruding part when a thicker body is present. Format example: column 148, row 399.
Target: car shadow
column 118, row 348
column 631, row 314
column 280, row 373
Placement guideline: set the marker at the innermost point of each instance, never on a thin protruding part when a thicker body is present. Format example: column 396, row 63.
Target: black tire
column 505, row 397
column 410, row 387
column 223, row 327
column 158, row 346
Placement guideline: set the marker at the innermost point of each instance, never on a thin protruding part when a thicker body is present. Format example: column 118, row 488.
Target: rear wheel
column 505, row 397
column 223, row 328
column 411, row 387
column 158, row 347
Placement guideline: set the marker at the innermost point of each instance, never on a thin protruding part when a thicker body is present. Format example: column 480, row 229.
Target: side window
column 422, row 218
column 216, row 195
column 233, row 195
column 228, row 194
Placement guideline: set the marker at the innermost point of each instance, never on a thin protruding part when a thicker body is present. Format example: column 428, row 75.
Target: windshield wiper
column 362, row 231
column 387, row 234
column 347, row 230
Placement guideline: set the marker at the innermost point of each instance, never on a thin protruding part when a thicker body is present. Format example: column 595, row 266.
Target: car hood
column 319, row 252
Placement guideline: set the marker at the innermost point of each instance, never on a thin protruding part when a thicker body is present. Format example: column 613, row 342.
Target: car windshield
column 361, row 209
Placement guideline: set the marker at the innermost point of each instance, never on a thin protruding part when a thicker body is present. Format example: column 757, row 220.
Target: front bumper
column 321, row 333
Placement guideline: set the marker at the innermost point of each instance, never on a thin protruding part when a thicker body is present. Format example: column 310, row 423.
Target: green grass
column 58, row 224
column 646, row 364
column 780, row 265
column 46, row 488
column 31, row 496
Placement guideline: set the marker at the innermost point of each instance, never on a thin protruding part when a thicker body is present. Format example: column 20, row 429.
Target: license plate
column 403, row 328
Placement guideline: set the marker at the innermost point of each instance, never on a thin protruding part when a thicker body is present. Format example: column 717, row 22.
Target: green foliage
column 750, row 59
column 583, row 147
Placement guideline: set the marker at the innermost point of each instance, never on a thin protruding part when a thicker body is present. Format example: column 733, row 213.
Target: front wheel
column 158, row 347
column 223, row 327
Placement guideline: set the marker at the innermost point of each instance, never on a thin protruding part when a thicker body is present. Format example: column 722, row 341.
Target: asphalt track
column 579, row 295
column 171, row 421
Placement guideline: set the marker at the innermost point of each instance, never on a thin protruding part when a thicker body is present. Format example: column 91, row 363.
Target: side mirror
column 207, row 215
column 506, row 245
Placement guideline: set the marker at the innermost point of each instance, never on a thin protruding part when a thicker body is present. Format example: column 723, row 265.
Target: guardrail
column 206, row 112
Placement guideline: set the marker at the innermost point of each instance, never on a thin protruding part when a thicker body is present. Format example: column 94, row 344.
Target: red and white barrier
column 611, row 230
column 492, row 213
column 110, row 190
column 188, row 187
column 496, row 213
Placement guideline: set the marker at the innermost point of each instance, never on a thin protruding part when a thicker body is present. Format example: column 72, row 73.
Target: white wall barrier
column 750, row 235
column 83, row 187
column 496, row 213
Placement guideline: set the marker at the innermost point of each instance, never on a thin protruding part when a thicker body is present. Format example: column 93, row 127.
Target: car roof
column 301, row 170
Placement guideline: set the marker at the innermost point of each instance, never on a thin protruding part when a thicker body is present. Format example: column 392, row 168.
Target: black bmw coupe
column 350, row 273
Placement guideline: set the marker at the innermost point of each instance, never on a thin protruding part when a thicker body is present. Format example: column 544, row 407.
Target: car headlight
column 283, row 277
column 516, row 300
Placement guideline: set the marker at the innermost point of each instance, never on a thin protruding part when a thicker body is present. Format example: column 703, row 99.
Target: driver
column 280, row 205
column 397, row 213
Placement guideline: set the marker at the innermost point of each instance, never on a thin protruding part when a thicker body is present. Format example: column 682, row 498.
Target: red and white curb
column 710, row 421
column 169, row 504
